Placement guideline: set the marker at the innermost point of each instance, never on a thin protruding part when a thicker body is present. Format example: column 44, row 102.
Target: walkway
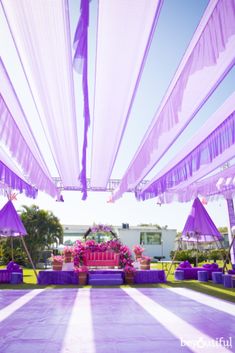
column 115, row 320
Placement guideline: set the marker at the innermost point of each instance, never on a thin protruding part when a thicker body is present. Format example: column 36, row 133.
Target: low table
column 57, row 277
column 5, row 276
column 150, row 276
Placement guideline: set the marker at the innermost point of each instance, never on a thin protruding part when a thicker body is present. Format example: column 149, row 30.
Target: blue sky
column 176, row 25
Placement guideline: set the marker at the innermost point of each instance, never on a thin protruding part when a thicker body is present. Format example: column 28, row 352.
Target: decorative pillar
column 231, row 215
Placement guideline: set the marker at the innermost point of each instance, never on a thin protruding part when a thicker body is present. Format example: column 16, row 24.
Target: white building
column 156, row 242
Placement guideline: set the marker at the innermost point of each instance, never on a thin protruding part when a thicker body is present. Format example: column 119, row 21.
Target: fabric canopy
column 40, row 126
column 125, row 30
column 213, row 143
column 208, row 59
column 10, row 222
column 199, row 227
column 41, row 33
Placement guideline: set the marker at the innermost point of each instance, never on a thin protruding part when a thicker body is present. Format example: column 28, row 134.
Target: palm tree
column 43, row 230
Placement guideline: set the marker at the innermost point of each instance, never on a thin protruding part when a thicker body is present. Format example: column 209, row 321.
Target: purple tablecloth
column 150, row 276
column 69, row 277
column 5, row 276
column 57, row 277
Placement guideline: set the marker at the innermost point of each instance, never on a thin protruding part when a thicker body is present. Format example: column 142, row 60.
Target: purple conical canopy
column 199, row 227
column 10, row 222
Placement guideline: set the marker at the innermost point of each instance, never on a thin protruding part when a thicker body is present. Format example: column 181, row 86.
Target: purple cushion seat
column 185, row 264
column 231, row 272
column 191, row 273
column 13, row 267
column 213, row 266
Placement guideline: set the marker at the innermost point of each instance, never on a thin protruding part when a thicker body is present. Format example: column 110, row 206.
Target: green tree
column 223, row 230
column 43, row 230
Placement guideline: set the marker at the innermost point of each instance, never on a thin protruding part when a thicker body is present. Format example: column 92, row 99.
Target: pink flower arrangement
column 57, row 258
column 80, row 249
column 129, row 269
column 83, row 269
column 68, row 250
column 138, row 250
column 145, row 258
column 114, row 244
column 89, row 243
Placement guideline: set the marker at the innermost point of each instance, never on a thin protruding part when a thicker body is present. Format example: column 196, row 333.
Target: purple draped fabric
column 206, row 187
column 41, row 34
column 150, row 276
column 5, row 276
column 209, row 58
column 9, row 178
column 215, row 144
column 80, row 63
column 124, row 36
column 199, row 227
column 13, row 139
column 57, row 277
column 10, row 222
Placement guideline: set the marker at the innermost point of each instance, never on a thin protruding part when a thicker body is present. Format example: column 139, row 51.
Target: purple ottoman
column 16, row 278
column 217, row 277
column 179, row 275
column 227, row 280
column 202, row 276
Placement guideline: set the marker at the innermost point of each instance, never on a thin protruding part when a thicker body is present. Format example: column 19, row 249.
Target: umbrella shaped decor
column 12, row 226
column 199, row 226
column 10, row 222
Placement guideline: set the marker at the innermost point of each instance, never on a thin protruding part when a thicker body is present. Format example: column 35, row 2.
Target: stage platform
column 48, row 277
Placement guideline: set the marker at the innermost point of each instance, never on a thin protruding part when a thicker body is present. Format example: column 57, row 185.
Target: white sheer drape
column 41, row 33
column 125, row 30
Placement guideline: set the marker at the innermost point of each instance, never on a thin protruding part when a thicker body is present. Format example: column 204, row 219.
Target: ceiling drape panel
column 11, row 137
column 205, row 170
column 12, row 180
column 6, row 159
column 41, row 33
column 205, row 187
column 208, row 59
column 125, row 30
column 16, row 136
column 80, row 63
column 12, row 102
column 211, row 150
column 208, row 145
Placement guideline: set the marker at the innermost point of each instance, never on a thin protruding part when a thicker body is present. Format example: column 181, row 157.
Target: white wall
column 131, row 237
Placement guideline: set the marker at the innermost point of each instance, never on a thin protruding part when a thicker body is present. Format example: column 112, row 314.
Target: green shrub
column 189, row 255
column 217, row 254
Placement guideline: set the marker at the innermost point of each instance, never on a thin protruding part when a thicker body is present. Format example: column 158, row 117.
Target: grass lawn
column 215, row 290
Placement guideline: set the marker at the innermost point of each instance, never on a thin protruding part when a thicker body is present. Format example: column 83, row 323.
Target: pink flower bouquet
column 83, row 269
column 138, row 250
column 129, row 269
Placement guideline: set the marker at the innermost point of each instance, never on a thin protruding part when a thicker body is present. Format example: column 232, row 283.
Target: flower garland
column 101, row 228
column 80, row 249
